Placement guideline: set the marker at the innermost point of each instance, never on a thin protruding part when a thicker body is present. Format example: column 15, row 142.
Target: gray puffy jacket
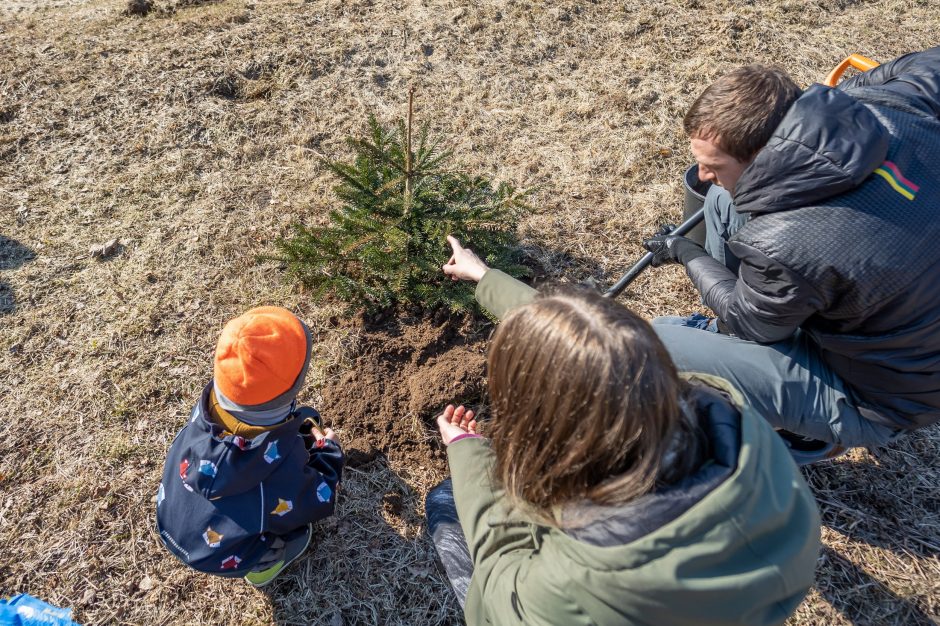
column 843, row 238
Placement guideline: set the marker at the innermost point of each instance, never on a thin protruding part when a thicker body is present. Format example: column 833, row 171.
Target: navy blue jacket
column 224, row 499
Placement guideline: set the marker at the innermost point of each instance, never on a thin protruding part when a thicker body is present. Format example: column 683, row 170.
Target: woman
column 610, row 490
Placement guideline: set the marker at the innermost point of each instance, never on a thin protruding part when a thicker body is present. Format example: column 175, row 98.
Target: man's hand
column 455, row 422
column 464, row 263
column 672, row 249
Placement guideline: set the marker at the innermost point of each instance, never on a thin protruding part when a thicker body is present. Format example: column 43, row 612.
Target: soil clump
column 404, row 372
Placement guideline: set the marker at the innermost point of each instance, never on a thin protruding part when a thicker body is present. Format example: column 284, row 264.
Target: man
column 823, row 250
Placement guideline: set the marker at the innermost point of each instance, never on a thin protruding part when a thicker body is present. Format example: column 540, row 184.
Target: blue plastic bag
column 25, row 610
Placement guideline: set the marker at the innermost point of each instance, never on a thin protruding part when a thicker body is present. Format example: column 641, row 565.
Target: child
column 610, row 490
column 250, row 472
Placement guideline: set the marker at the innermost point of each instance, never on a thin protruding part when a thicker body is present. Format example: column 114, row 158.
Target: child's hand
column 455, row 422
column 325, row 434
column 312, row 433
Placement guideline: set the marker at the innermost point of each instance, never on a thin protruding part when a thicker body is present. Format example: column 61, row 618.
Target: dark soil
column 403, row 375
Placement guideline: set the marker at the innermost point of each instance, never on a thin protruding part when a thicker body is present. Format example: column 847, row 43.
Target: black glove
column 672, row 249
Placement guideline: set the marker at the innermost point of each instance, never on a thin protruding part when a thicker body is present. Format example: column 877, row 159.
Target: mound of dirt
column 402, row 377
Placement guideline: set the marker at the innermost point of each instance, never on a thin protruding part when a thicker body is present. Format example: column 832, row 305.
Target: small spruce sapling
column 385, row 244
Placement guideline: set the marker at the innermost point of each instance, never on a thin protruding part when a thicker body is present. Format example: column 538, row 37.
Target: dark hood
column 228, row 465
column 827, row 144
column 618, row 525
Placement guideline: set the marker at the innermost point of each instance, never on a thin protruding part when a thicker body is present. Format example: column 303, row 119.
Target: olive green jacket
column 498, row 293
column 744, row 552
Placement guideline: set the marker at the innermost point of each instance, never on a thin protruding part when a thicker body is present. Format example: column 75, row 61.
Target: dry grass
column 192, row 136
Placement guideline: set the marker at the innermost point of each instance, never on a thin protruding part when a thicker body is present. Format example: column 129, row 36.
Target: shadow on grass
column 13, row 254
column 889, row 501
column 552, row 266
column 372, row 563
column 862, row 599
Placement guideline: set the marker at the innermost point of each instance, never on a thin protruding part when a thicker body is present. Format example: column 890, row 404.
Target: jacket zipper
column 261, row 484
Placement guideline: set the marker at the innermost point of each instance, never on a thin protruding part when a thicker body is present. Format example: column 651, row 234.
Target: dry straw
column 191, row 135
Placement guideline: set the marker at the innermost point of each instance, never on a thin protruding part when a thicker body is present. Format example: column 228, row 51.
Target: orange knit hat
column 262, row 357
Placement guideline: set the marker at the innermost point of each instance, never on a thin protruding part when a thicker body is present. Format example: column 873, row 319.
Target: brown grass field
column 192, row 135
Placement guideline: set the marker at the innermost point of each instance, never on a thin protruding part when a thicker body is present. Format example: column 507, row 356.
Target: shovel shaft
column 644, row 262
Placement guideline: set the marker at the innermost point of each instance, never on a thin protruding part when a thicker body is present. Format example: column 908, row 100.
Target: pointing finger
column 454, row 243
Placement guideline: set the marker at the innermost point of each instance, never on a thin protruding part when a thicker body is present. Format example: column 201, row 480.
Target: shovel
column 644, row 262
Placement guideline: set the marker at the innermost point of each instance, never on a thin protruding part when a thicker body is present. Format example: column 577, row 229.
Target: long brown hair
column 585, row 400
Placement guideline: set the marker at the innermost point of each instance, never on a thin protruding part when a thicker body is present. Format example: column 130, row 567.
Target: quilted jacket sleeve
column 766, row 302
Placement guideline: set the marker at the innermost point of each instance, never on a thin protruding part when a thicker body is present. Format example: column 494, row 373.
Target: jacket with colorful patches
column 225, row 498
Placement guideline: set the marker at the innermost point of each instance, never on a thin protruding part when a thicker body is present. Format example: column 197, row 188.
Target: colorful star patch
column 207, row 468
column 270, row 454
column 184, row 468
column 212, row 538
column 324, row 492
column 283, row 508
column 231, row 562
column 240, row 442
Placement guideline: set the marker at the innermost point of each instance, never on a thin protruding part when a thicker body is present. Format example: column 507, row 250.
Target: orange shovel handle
column 863, row 64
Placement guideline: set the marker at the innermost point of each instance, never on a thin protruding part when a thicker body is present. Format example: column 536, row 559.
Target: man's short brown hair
column 740, row 111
